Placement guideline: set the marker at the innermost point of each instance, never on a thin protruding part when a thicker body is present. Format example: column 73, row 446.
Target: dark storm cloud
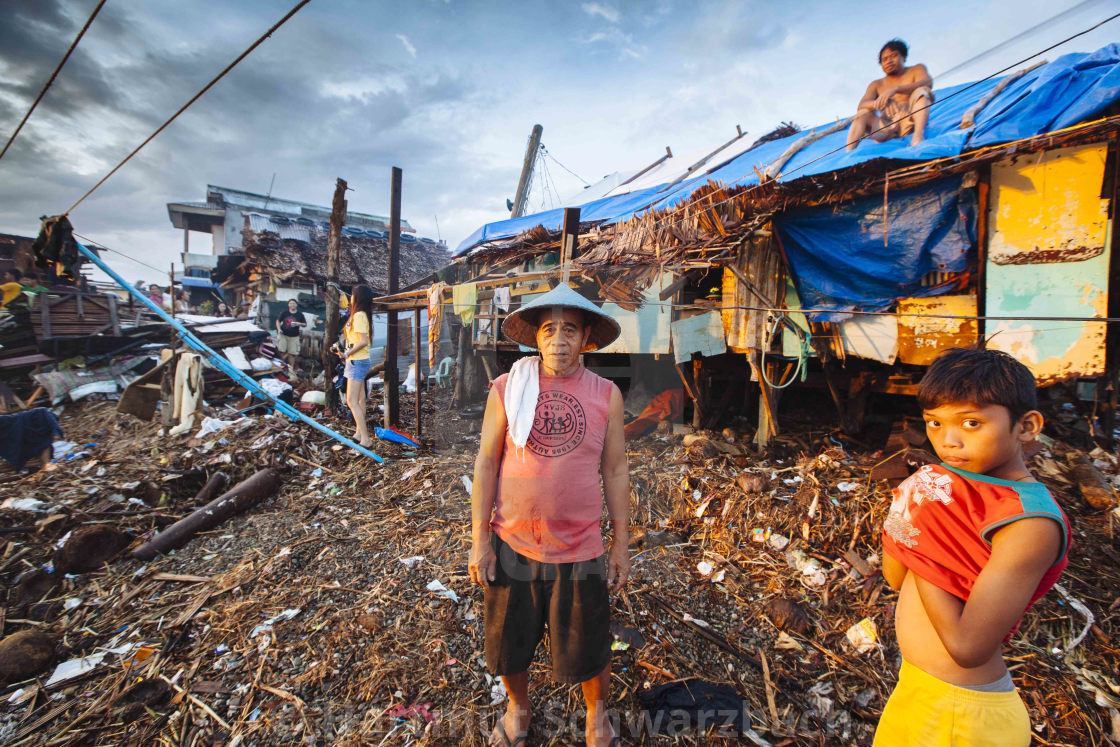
column 35, row 35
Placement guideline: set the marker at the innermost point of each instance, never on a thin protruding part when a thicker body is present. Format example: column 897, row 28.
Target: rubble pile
column 339, row 611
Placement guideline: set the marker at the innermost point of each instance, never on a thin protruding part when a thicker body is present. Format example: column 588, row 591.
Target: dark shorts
column 571, row 597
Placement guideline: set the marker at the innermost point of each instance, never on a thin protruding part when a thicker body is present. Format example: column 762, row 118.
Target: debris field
column 337, row 610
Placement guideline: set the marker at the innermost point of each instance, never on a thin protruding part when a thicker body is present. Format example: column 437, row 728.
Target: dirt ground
column 338, row 611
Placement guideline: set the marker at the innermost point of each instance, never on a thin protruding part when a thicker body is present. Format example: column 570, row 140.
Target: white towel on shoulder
column 522, row 389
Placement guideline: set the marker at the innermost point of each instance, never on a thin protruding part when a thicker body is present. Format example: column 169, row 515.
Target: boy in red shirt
column 970, row 544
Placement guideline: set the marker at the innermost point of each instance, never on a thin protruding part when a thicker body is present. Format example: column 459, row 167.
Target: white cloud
column 407, row 44
column 596, row 9
column 364, row 88
column 615, row 37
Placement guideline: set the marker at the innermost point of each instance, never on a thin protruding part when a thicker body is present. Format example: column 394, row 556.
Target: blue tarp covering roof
column 1074, row 88
column 196, row 282
column 838, row 256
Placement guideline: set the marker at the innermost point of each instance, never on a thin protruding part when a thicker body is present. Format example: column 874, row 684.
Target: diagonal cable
column 193, row 99
column 50, row 80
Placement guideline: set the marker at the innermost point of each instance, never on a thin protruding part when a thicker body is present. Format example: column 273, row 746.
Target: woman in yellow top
column 10, row 287
column 356, row 351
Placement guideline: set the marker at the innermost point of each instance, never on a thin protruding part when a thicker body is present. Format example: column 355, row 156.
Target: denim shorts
column 356, row 369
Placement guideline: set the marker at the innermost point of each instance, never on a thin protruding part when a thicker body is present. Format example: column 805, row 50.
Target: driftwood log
column 241, row 497
column 216, row 482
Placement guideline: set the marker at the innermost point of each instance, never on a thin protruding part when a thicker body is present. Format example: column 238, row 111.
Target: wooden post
column 767, row 420
column 419, row 369
column 391, row 374
column 701, row 401
column 522, row 195
column 569, row 238
column 330, row 325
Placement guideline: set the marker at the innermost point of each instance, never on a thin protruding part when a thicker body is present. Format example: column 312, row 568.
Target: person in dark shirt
column 288, row 326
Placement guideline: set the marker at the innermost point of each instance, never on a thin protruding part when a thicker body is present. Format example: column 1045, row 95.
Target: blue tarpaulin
column 190, row 282
column 839, row 260
column 1073, row 88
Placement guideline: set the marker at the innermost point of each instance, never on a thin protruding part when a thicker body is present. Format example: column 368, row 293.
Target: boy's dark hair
column 898, row 46
column 16, row 274
column 983, row 377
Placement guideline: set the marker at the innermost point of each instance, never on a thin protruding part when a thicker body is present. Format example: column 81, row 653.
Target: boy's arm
column 893, row 570
column 973, row 631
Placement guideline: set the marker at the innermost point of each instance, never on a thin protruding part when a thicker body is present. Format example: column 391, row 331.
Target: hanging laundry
column 502, row 298
column 463, row 299
column 188, row 391
column 435, row 320
column 55, row 244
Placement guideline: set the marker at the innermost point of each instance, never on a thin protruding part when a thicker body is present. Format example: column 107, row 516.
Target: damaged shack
column 792, row 262
column 267, row 251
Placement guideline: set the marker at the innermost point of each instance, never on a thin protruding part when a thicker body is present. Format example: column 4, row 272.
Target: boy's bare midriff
column 921, row 646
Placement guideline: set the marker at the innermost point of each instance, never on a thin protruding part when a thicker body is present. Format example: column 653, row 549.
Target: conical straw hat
column 521, row 324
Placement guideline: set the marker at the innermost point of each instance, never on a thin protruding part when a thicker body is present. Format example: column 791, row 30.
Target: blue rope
column 221, row 363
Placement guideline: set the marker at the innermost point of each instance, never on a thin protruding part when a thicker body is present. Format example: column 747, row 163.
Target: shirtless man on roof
column 898, row 102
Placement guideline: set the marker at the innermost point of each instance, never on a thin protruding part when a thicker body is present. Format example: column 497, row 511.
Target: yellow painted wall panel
column 1048, row 256
column 921, row 338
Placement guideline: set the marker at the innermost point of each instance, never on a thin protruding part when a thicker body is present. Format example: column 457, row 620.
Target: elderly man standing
column 552, row 448
column 897, row 104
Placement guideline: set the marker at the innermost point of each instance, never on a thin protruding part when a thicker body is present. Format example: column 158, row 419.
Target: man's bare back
column 896, row 104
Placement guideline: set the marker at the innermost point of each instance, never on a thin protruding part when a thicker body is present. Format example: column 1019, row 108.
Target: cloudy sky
column 446, row 89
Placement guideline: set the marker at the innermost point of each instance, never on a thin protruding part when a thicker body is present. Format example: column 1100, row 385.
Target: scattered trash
column 73, row 668
column 442, row 590
column 266, row 626
column 24, row 504
column 863, row 635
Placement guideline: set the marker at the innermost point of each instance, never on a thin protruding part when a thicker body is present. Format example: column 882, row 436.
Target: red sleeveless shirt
column 942, row 519
column 550, row 495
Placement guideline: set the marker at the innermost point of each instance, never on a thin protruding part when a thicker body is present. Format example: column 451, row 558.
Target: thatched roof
column 362, row 259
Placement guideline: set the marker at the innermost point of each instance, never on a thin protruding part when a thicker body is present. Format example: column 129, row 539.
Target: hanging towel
column 188, row 391
column 501, row 298
column 435, row 320
column 522, row 388
column 464, row 297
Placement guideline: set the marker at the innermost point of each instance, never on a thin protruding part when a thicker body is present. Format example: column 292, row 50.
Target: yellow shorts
column 923, row 711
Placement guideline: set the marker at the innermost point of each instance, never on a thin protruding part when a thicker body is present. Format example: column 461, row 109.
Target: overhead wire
column 1018, row 37
column 586, row 183
column 43, row 91
column 666, row 223
column 99, row 245
column 193, row 99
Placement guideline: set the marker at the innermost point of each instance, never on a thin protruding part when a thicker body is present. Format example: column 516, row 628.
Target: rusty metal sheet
column 1048, row 256
column 921, row 337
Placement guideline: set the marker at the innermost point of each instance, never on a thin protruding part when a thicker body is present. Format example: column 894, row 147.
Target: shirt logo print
column 559, row 424
column 929, row 485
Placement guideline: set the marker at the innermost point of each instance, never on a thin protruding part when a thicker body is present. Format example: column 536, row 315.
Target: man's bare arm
column 482, row 561
column 867, row 103
column 972, row 632
column 616, row 489
column 915, row 77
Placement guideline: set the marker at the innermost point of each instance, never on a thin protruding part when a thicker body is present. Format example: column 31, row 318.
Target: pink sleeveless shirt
column 550, row 494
